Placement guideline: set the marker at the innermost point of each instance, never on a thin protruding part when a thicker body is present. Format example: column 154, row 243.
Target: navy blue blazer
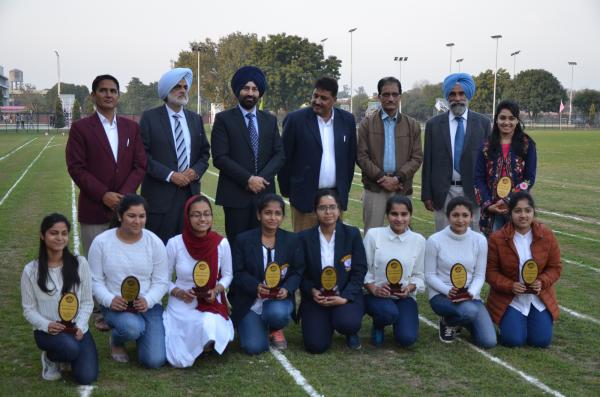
column 248, row 268
column 350, row 261
column 299, row 177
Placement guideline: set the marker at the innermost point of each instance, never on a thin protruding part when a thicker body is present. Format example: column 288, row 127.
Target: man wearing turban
column 451, row 141
column 177, row 151
column 247, row 150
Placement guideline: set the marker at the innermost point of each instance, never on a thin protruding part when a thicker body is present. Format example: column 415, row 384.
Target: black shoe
column 353, row 342
column 447, row 332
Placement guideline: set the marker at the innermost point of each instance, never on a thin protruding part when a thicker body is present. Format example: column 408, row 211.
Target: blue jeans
column 254, row 328
column 472, row 314
column 402, row 314
column 66, row 349
column 534, row 329
column 145, row 328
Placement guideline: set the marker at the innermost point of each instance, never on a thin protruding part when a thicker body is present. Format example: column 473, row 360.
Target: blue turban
column 172, row 78
column 246, row 74
column 463, row 79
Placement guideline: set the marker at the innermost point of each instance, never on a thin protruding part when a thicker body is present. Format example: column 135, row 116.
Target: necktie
column 253, row 139
column 180, row 148
column 459, row 141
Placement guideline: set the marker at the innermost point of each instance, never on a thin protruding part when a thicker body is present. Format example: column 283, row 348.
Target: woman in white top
column 403, row 249
column 43, row 284
column 458, row 305
column 194, row 324
column 123, row 253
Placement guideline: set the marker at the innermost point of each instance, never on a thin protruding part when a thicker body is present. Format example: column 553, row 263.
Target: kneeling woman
column 336, row 252
column 197, row 321
column 386, row 247
column 453, row 289
column 524, row 315
column 44, row 283
column 258, row 316
column 134, row 257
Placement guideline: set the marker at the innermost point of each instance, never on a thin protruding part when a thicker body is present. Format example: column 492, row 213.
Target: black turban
column 246, row 74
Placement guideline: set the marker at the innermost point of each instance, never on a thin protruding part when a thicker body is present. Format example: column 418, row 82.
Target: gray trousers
column 441, row 220
column 374, row 208
column 89, row 233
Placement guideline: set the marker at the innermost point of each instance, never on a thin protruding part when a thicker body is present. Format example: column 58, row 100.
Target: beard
column 172, row 99
column 248, row 101
column 458, row 108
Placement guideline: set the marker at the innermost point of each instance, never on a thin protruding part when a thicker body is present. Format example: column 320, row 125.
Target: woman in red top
column 522, row 302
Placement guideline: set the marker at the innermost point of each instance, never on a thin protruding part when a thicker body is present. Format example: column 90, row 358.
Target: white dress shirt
column 327, row 249
column 327, row 172
column 186, row 134
column 112, row 133
column 523, row 302
column 453, row 126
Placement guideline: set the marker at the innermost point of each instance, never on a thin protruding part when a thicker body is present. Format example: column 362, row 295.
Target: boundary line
column 7, row 155
column 528, row 378
column 595, row 269
column 74, row 221
column 7, row 194
column 579, row 315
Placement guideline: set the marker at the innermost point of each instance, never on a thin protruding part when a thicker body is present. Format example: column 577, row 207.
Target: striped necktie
column 253, row 139
column 181, row 151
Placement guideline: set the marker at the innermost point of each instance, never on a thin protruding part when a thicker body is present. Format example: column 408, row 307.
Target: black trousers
column 170, row 223
column 239, row 220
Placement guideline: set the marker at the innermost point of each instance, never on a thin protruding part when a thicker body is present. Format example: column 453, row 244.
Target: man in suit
column 177, row 151
column 247, row 150
column 106, row 159
column 389, row 153
column 320, row 152
column 452, row 140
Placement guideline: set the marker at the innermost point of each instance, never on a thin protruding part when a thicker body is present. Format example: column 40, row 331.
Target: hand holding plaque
column 393, row 274
column 458, row 278
column 504, row 187
column 68, row 306
column 272, row 280
column 529, row 273
column 130, row 290
column 201, row 276
column 328, row 281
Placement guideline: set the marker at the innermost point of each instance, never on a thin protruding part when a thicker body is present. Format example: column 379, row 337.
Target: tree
column 29, row 97
column 419, row 101
column 482, row 101
column 537, row 90
column 76, row 111
column 89, row 105
column 292, row 64
column 592, row 115
column 59, row 115
column 80, row 92
column 139, row 97
column 360, row 102
column 582, row 100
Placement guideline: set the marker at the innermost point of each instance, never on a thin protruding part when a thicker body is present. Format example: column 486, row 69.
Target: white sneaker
column 50, row 369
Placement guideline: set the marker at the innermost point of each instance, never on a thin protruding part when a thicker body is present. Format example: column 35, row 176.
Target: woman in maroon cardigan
column 524, row 311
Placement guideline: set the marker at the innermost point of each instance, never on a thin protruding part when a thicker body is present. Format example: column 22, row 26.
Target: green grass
column 567, row 181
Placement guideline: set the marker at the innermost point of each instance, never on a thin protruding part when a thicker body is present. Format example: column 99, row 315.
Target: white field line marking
column 595, row 269
column 294, row 373
column 579, row 315
column 575, row 236
column 7, row 194
column 74, row 219
column 56, row 144
column 17, row 149
column 528, row 378
column 85, row 390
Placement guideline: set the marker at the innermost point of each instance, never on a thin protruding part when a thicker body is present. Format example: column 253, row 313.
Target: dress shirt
column 186, row 134
column 523, row 302
column 453, row 126
column 327, row 249
column 112, row 133
column 254, row 119
column 389, row 148
column 327, row 172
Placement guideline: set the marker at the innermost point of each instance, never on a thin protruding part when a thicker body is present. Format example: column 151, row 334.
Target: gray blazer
column 437, row 156
column 162, row 157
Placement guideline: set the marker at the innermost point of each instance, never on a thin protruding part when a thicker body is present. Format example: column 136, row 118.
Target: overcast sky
column 138, row 38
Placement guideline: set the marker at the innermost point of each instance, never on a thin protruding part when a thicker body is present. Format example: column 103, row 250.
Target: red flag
column 562, row 107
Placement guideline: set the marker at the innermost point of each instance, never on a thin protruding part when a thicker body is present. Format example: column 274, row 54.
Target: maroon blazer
column 92, row 166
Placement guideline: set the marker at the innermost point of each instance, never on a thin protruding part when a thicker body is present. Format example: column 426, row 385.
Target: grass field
column 34, row 182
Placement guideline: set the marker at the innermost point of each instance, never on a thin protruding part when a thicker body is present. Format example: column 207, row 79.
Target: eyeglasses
column 201, row 214
column 325, row 208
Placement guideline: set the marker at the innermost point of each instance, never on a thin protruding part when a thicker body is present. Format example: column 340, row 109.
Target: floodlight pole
column 351, row 87
column 450, row 45
column 459, row 61
column 514, row 55
column 495, row 37
column 573, row 64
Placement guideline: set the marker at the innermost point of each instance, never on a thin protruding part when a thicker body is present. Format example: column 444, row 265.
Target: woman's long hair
column 70, row 269
column 518, row 140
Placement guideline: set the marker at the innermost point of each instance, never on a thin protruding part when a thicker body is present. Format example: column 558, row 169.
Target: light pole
column 400, row 60
column 323, row 45
column 196, row 47
column 514, row 55
column 495, row 37
column 573, row 64
column 459, row 61
column 58, row 70
column 450, row 45
column 351, row 88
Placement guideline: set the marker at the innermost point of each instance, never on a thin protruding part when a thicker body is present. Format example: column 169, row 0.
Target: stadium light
column 450, row 45
column 573, row 64
column 459, row 61
column 496, row 37
column 514, row 55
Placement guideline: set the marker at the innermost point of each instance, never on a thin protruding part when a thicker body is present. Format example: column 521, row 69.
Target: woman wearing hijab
column 506, row 163
column 197, row 319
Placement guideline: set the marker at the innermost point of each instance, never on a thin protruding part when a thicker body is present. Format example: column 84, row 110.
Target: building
column 4, row 92
column 15, row 76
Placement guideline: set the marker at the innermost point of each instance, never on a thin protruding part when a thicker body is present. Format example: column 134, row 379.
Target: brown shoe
column 278, row 339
